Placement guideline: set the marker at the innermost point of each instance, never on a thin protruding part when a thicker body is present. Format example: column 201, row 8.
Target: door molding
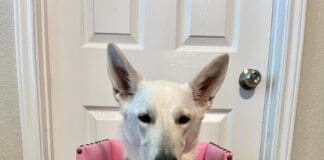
column 33, row 78
column 284, row 65
column 33, row 75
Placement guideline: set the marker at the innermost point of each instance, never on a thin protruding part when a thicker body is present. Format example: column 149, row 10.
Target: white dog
column 161, row 119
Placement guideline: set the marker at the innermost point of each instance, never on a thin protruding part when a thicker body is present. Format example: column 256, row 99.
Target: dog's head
column 162, row 118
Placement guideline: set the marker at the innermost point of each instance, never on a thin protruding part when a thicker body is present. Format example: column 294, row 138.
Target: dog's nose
column 165, row 156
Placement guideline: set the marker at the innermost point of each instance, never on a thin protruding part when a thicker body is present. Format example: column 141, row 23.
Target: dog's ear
column 122, row 74
column 209, row 80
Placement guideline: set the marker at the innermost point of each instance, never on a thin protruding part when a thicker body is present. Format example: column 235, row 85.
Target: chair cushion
column 113, row 150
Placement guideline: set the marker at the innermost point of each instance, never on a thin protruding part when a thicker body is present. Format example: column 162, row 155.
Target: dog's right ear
column 122, row 74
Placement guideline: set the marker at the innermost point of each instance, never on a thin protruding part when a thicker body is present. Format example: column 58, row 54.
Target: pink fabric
column 215, row 152
column 201, row 148
column 113, row 150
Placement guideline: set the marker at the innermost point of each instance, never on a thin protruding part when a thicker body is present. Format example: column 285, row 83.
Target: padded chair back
column 113, row 150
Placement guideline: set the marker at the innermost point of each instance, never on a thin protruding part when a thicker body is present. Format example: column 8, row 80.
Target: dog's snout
column 165, row 156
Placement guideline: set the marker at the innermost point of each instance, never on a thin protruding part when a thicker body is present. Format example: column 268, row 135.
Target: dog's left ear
column 209, row 80
column 122, row 74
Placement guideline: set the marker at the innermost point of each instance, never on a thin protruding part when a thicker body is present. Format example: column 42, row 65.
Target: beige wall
column 309, row 128
column 10, row 137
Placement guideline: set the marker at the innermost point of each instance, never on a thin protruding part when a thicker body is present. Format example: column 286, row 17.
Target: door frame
column 33, row 74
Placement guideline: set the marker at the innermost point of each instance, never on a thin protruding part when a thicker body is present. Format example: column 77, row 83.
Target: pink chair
column 113, row 150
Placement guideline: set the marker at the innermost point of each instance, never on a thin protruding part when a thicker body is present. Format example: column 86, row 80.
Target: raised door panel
column 106, row 21
column 112, row 17
column 208, row 25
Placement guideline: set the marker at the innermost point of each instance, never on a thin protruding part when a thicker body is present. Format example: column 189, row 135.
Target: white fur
column 165, row 101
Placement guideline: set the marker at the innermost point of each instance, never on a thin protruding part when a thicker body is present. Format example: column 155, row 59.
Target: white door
column 163, row 39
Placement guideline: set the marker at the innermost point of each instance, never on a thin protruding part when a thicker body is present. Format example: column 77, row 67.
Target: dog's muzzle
column 165, row 155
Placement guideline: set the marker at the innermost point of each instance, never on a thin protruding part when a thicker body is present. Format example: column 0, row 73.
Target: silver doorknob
column 249, row 78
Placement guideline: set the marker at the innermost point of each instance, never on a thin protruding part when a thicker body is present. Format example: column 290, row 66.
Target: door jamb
column 30, row 26
column 33, row 74
column 284, row 65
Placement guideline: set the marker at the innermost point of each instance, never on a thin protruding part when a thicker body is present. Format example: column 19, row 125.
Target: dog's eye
column 145, row 118
column 183, row 120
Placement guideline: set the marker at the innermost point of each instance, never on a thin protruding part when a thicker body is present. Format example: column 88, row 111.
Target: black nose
column 165, row 156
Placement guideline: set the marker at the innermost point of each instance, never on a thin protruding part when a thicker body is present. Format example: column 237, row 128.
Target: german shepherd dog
column 161, row 119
